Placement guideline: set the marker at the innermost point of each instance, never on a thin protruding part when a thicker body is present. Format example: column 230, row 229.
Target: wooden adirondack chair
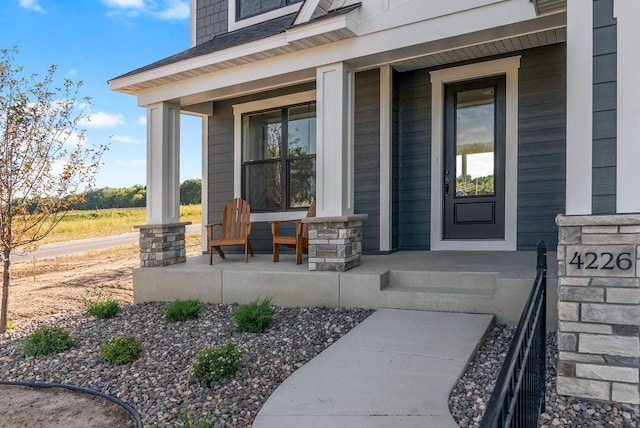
column 234, row 229
column 300, row 242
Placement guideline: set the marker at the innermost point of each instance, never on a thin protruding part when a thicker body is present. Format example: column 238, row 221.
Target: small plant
column 121, row 349
column 217, row 362
column 206, row 422
column 255, row 316
column 103, row 309
column 47, row 340
column 181, row 310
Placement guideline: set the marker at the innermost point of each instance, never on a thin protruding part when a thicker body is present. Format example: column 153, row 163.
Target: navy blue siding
column 220, row 161
column 541, row 144
column 604, row 108
column 395, row 161
column 211, row 19
column 414, row 160
column 367, row 157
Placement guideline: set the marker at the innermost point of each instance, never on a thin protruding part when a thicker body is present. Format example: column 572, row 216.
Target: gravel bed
column 471, row 394
column 157, row 384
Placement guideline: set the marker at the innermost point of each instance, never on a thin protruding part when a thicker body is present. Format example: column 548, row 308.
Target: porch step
column 442, row 282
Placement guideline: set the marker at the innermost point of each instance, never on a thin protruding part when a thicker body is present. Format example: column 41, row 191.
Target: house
column 453, row 125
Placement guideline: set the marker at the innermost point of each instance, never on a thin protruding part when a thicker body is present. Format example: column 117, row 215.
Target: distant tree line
column 135, row 196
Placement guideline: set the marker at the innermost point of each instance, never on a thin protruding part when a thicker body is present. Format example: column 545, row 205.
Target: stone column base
column 162, row 244
column 335, row 243
column 599, row 307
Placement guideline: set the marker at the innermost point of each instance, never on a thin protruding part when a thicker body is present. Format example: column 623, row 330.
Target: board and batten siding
column 414, row 159
column 367, row 157
column 220, row 162
column 541, row 144
column 604, row 108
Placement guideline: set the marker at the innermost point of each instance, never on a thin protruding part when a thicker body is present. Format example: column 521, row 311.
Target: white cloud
column 174, row 9
column 102, row 120
column 135, row 4
column 72, row 72
column 142, row 120
column 133, row 162
column 31, row 4
column 161, row 9
column 127, row 139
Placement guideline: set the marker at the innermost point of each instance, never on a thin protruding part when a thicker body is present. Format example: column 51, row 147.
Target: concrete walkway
column 395, row 369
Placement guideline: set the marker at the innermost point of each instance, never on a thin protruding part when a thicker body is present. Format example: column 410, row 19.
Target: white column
column 579, row 106
column 386, row 100
column 334, row 135
column 627, row 13
column 163, row 163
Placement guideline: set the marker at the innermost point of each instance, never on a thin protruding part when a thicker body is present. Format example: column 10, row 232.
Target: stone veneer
column 335, row 243
column 599, row 307
column 162, row 244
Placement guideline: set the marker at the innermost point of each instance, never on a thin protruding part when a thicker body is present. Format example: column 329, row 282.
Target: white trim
column 273, row 14
column 508, row 66
column 306, row 11
column 386, row 100
column 335, row 140
column 579, row 107
column 264, row 104
column 204, row 196
column 163, row 163
column 628, row 109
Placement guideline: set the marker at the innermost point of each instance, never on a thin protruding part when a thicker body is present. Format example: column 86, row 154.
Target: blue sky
column 97, row 40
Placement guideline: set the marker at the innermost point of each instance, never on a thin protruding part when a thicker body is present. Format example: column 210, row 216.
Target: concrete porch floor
column 452, row 281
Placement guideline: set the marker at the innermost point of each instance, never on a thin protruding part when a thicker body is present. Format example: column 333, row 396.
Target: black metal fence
column 518, row 396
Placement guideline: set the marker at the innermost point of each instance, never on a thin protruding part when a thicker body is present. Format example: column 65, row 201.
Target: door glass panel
column 475, row 142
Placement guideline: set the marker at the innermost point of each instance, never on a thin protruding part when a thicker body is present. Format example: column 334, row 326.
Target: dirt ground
column 65, row 284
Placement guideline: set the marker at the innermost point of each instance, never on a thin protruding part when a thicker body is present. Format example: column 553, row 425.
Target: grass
column 93, row 224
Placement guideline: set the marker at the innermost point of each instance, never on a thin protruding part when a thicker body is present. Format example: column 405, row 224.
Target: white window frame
column 272, row 14
column 253, row 106
column 509, row 67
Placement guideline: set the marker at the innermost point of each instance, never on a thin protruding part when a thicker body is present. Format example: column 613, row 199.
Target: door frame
column 509, row 67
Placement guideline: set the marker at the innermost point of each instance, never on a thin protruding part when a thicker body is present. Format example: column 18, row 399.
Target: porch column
column 334, row 135
column 579, row 107
column 627, row 13
column 162, row 239
column 335, row 234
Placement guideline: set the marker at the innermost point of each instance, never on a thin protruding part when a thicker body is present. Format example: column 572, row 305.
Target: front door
column 474, row 157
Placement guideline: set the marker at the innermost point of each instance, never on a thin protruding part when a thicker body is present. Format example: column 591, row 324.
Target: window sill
column 278, row 216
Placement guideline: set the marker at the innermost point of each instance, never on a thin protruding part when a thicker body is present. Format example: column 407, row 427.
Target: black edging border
column 133, row 412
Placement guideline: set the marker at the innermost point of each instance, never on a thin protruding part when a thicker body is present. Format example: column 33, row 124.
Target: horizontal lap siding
column 604, row 108
column 395, row 160
column 541, row 144
column 413, row 159
column 220, row 163
column 367, row 157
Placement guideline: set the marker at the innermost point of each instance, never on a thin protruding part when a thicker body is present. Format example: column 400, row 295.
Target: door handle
column 447, row 180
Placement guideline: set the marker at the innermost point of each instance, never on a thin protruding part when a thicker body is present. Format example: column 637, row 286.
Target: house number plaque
column 601, row 260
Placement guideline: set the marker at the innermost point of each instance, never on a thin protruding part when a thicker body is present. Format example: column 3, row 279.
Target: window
column 279, row 157
column 248, row 8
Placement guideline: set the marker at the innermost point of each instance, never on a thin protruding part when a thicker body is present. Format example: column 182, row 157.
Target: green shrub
column 206, row 422
column 47, row 340
column 181, row 310
column 255, row 316
column 103, row 309
column 217, row 362
column 121, row 349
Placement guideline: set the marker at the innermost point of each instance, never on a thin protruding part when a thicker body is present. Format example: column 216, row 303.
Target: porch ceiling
column 549, row 6
column 495, row 47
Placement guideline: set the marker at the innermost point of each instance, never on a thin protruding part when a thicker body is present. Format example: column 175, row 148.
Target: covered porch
column 449, row 281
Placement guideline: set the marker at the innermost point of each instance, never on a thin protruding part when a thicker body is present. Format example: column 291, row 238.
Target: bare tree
column 45, row 163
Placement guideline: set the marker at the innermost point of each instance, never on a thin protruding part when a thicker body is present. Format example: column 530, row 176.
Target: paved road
column 84, row 245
